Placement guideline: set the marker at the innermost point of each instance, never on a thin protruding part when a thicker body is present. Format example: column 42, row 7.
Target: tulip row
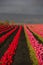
column 1, row 32
column 8, row 55
column 4, row 37
column 4, row 27
column 40, row 39
column 31, row 51
column 37, row 47
column 36, row 29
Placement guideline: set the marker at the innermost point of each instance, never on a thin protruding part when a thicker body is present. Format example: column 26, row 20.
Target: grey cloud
column 22, row 6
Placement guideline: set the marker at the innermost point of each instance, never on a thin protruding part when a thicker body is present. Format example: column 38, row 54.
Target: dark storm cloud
column 22, row 6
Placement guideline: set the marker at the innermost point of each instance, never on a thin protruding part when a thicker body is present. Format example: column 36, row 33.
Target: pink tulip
column 35, row 44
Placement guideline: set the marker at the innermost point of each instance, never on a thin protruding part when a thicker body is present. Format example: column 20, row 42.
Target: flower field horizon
column 21, row 44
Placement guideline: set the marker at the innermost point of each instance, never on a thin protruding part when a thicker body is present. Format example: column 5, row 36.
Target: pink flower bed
column 37, row 47
column 36, row 29
column 7, row 57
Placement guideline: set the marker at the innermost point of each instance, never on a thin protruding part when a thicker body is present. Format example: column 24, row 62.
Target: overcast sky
column 22, row 6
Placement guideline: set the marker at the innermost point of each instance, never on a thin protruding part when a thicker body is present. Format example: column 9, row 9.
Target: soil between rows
column 22, row 56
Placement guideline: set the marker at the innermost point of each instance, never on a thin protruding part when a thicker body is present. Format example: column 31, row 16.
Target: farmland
column 21, row 44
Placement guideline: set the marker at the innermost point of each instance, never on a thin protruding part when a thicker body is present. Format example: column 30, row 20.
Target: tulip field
column 21, row 44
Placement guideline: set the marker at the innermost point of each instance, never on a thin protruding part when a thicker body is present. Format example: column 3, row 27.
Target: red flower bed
column 4, row 27
column 4, row 30
column 2, row 39
column 7, row 57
